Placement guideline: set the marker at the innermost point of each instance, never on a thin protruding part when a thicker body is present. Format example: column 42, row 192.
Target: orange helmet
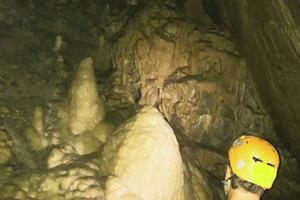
column 255, row 160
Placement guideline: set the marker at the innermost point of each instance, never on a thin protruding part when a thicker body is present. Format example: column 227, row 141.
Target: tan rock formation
column 193, row 74
column 61, row 156
column 73, row 182
column 38, row 121
column 36, row 141
column 86, row 109
column 35, row 135
column 272, row 50
column 85, row 143
column 144, row 158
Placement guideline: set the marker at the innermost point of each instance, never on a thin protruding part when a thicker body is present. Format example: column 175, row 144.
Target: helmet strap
column 226, row 182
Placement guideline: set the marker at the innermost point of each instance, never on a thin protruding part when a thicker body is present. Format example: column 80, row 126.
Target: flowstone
column 35, row 135
column 144, row 160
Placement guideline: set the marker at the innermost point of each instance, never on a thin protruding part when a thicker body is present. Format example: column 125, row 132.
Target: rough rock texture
column 36, row 141
column 193, row 74
column 35, row 135
column 196, row 77
column 86, row 108
column 196, row 184
column 164, row 53
column 144, row 160
column 62, row 183
column 268, row 36
column 5, row 153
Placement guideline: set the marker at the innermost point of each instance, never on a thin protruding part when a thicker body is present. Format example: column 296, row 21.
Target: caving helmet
column 254, row 160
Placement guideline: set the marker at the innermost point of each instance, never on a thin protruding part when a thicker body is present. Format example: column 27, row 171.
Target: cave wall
column 196, row 77
column 192, row 73
column 267, row 34
column 164, row 54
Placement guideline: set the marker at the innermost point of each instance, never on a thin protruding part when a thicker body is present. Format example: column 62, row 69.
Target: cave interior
column 76, row 111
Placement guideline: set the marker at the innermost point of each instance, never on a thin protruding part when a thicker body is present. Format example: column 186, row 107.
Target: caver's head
column 253, row 165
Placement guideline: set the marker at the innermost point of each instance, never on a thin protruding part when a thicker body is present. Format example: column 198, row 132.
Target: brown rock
column 194, row 76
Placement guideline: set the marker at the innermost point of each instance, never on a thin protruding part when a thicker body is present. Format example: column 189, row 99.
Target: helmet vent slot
column 270, row 164
column 257, row 159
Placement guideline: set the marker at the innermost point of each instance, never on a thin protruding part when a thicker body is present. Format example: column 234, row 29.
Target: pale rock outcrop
column 144, row 161
column 85, row 143
column 35, row 135
column 63, row 133
column 91, row 141
column 66, row 183
column 61, row 156
column 38, row 121
column 86, row 109
column 103, row 130
column 35, row 141
column 55, row 158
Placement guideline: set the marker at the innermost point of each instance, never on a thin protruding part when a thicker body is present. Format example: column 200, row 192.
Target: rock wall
column 193, row 74
column 267, row 34
column 162, row 56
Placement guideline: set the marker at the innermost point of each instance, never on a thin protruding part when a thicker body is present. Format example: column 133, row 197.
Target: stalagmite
column 35, row 135
column 38, row 121
column 86, row 109
column 144, row 160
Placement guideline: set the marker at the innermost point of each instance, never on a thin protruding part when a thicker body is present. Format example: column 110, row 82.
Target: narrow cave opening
column 143, row 99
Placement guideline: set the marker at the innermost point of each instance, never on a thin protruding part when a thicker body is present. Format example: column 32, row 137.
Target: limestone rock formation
column 144, row 160
column 103, row 131
column 91, row 141
column 73, row 182
column 38, row 120
column 86, row 143
column 267, row 34
column 193, row 74
column 36, row 141
column 164, row 53
column 56, row 158
column 35, row 135
column 86, row 109
column 63, row 155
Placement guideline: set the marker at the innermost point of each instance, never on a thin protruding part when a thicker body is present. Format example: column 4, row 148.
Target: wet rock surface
column 57, row 133
column 267, row 34
column 144, row 160
column 193, row 74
